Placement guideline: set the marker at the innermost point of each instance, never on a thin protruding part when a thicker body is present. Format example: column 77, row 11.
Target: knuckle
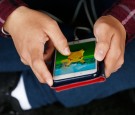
column 53, row 23
column 118, row 52
column 101, row 27
column 24, row 57
column 104, row 25
column 23, row 61
column 40, row 78
column 116, row 55
column 113, row 56
column 35, row 62
column 104, row 45
column 121, row 62
column 24, row 54
column 62, row 42
column 42, row 81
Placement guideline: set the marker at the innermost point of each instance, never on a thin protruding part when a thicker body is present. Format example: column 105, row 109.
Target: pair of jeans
column 41, row 94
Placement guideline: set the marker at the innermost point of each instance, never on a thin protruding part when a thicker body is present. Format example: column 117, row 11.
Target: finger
column 103, row 41
column 38, row 65
column 101, row 50
column 24, row 61
column 119, row 63
column 113, row 55
column 58, row 39
column 40, row 79
column 49, row 49
column 42, row 72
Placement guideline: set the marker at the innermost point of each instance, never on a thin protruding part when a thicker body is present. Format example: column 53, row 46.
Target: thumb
column 103, row 42
column 58, row 39
column 101, row 50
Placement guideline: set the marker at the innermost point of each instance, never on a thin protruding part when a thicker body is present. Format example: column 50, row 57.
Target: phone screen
column 80, row 62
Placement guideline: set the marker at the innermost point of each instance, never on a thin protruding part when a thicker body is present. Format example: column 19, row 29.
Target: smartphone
column 79, row 63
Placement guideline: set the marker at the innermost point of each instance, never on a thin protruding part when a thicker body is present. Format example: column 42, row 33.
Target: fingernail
column 67, row 51
column 99, row 55
column 49, row 82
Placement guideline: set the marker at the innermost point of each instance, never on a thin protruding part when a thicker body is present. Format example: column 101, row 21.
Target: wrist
column 13, row 18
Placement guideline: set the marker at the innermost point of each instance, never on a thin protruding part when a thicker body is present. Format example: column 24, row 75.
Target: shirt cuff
column 125, row 14
column 6, row 8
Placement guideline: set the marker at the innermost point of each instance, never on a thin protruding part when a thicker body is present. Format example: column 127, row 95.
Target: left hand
column 110, row 47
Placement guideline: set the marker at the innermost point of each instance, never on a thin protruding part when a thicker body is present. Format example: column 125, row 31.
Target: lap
column 121, row 80
column 9, row 58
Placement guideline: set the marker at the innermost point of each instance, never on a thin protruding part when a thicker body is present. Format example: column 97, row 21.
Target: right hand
column 30, row 31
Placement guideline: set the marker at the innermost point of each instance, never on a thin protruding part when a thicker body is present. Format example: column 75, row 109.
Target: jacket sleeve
column 6, row 8
column 124, row 11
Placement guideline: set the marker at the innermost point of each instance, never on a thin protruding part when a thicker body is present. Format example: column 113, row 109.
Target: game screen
column 80, row 62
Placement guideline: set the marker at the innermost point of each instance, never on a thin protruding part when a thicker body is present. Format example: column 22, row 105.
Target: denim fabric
column 41, row 94
column 9, row 59
column 121, row 80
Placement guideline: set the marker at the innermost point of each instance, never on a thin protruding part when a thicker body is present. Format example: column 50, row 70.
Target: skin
column 111, row 37
column 31, row 30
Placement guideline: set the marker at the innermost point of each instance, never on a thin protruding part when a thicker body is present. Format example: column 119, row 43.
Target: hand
column 111, row 36
column 30, row 31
